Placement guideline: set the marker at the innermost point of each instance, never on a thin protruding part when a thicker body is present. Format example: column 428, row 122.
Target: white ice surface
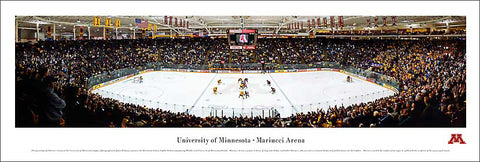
column 296, row 92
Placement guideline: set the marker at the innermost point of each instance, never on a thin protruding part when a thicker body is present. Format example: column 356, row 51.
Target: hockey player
column 219, row 81
column 242, row 86
column 273, row 90
column 245, row 80
column 141, row 79
column 214, row 90
column 241, row 95
column 268, row 83
column 240, row 80
column 247, row 95
column 349, row 79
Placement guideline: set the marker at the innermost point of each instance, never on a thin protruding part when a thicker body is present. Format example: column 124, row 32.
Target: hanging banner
column 340, row 21
column 107, row 34
column 318, row 22
column 170, row 21
column 332, row 21
column 375, row 20
column 149, row 28
column 108, row 22
column 393, row 21
column 176, row 22
column 324, row 22
column 49, row 32
column 144, row 32
column 384, row 21
column 308, row 23
column 301, row 25
column 181, row 23
column 165, row 19
column 81, row 32
column 117, row 23
column 96, row 21
column 368, row 23
column 188, row 22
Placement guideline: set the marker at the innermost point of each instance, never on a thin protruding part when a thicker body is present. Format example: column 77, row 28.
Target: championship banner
column 318, row 22
column 188, row 24
column 340, row 21
column 117, row 23
column 181, row 23
column 324, row 22
column 149, row 27
column 176, row 22
column 170, row 21
column 376, row 20
column 368, row 23
column 81, row 32
column 107, row 34
column 393, row 21
column 108, row 22
column 384, row 21
column 96, row 21
column 49, row 32
column 144, row 32
column 165, row 19
column 313, row 23
column 332, row 21
column 308, row 23
column 301, row 25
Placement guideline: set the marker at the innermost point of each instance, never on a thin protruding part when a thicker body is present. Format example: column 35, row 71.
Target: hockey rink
column 193, row 92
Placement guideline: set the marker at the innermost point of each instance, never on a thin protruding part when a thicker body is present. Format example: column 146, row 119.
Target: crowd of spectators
column 51, row 81
column 374, row 32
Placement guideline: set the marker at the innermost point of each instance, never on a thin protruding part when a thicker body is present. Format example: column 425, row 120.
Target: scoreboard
column 242, row 39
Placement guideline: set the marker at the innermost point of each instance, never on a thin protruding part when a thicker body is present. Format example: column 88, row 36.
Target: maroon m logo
column 456, row 138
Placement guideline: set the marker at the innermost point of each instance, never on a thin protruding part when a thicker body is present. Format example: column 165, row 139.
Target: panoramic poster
column 179, row 83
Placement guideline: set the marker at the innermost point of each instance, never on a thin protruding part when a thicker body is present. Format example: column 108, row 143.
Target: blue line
column 283, row 93
column 195, row 103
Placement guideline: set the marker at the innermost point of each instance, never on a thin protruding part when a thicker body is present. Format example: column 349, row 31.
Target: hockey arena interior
column 240, row 71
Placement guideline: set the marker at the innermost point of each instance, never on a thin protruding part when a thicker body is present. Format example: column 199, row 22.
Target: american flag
column 141, row 23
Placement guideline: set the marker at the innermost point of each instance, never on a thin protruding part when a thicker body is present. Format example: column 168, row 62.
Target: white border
column 16, row 143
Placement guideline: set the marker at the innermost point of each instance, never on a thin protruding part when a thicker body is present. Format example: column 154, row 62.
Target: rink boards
column 324, row 88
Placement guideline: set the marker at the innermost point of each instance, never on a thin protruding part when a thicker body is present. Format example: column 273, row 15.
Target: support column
column 54, row 33
column 38, row 32
column 89, row 33
column 16, row 31
column 74, row 36
column 104, row 34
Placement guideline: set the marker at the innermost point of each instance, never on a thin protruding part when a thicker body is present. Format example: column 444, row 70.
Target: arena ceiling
column 219, row 24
